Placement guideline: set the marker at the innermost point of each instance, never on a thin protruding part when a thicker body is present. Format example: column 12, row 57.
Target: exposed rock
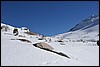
column 24, row 40
column 5, row 28
column 43, row 45
column 30, row 33
column 40, row 38
column 15, row 31
column 60, row 41
column 48, row 49
column 21, row 36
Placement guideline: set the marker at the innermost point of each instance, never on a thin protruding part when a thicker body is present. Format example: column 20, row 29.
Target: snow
column 17, row 53
column 93, row 19
column 79, row 45
column 86, row 34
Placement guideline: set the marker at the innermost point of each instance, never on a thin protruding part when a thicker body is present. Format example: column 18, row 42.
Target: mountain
column 21, row 47
column 23, row 30
column 88, row 22
column 87, row 30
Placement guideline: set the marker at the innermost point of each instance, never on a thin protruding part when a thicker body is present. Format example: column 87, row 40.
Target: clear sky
column 47, row 17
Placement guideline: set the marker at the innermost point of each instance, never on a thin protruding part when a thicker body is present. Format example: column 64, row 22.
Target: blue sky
column 47, row 17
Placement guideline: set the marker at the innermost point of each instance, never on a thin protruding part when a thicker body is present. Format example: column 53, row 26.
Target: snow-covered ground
column 80, row 45
column 90, row 34
column 17, row 53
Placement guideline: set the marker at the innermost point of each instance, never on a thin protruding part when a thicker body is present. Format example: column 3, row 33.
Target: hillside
column 26, row 48
column 87, row 30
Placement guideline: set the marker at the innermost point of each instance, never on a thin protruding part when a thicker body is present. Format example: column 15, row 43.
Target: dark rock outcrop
column 15, row 31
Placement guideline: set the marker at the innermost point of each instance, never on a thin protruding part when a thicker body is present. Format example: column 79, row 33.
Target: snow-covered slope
column 17, row 53
column 88, row 22
column 9, row 29
column 19, row 50
column 87, row 30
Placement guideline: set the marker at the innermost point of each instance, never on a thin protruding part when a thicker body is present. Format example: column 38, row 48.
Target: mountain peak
column 87, row 30
column 91, row 20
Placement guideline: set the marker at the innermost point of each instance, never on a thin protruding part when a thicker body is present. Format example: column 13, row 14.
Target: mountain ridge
column 87, row 30
column 91, row 19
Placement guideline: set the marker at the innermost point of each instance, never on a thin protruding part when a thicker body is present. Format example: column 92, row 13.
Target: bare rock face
column 5, row 28
column 30, row 33
column 43, row 45
column 15, row 31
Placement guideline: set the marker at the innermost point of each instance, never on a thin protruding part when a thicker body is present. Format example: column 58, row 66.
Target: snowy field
column 17, row 53
column 79, row 45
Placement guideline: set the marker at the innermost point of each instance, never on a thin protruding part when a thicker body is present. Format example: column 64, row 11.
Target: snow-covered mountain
column 88, row 22
column 26, row 48
column 87, row 30
column 21, row 31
